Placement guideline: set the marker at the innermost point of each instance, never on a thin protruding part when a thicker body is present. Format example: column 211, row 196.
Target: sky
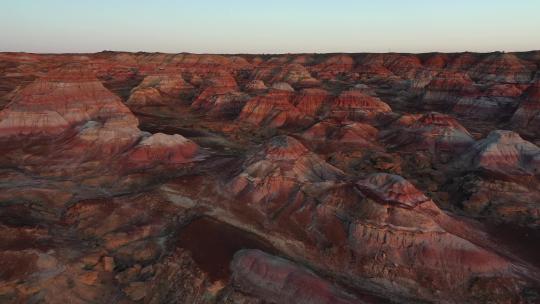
column 278, row 26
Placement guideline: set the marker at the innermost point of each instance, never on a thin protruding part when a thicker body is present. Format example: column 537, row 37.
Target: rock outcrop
column 311, row 102
column 274, row 110
column 156, row 90
column 504, row 153
column 434, row 132
column 355, row 105
column 504, row 183
column 503, row 67
column 277, row 280
column 217, row 86
column 64, row 98
column 226, row 105
column 284, row 180
column 334, row 66
column 355, row 133
column 527, row 117
column 90, row 135
column 446, row 88
column 256, row 86
column 282, row 86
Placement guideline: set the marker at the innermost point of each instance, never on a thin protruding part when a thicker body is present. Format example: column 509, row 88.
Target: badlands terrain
column 309, row 178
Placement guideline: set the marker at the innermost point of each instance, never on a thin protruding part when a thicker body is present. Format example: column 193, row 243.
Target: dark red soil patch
column 16, row 265
column 213, row 244
column 524, row 242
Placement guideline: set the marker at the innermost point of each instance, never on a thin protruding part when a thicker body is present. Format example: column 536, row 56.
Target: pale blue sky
column 279, row 26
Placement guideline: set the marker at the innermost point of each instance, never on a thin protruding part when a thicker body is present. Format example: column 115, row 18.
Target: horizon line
column 270, row 53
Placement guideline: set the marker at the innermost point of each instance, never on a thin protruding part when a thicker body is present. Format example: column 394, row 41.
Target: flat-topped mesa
column 277, row 280
column 64, row 98
column 504, row 152
column 356, row 105
column 503, row 67
column 446, row 88
column 391, row 189
column 527, row 117
column 160, row 90
column 433, row 131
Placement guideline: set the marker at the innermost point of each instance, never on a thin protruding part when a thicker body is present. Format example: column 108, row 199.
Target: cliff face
column 346, row 178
